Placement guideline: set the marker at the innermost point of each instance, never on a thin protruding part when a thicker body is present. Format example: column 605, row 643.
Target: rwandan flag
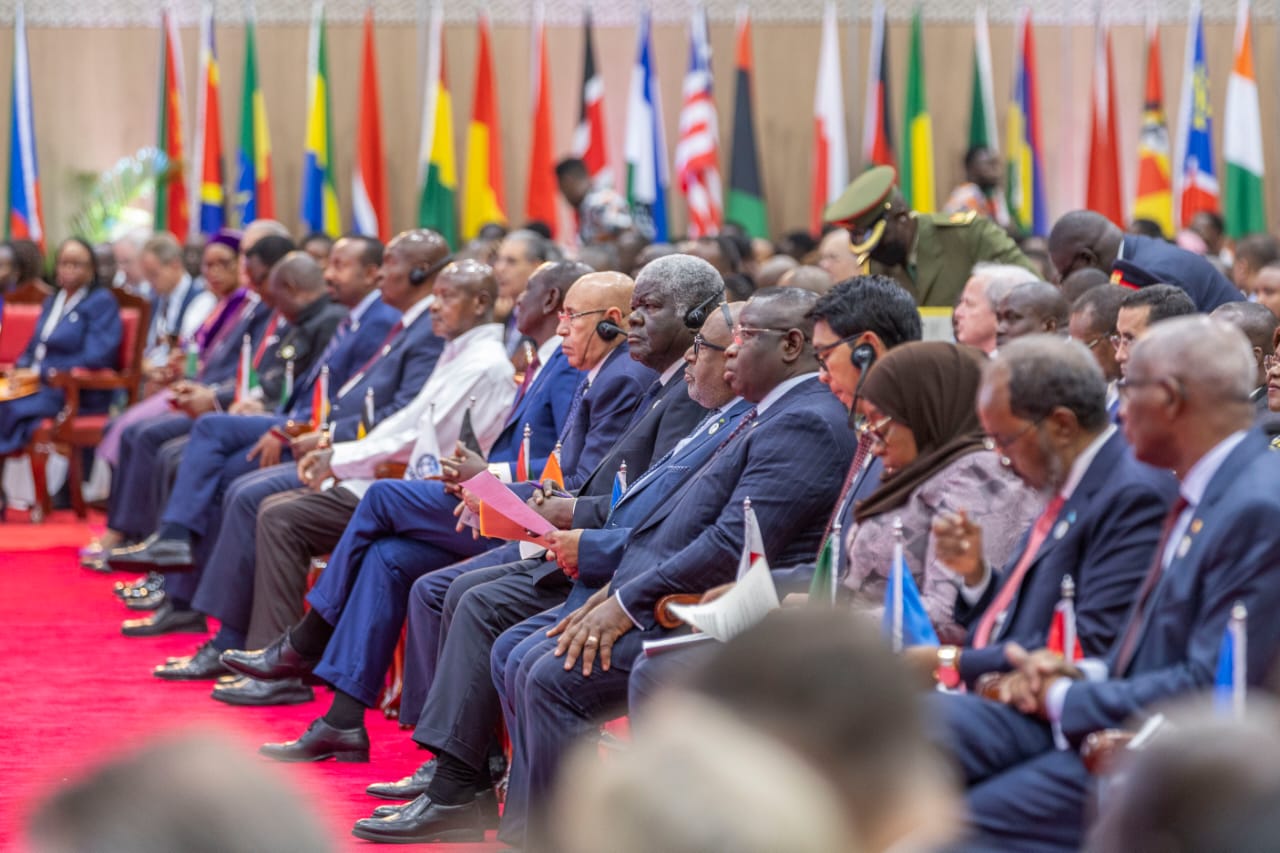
column 1025, row 184
column 210, row 197
column 254, row 197
column 745, row 202
column 319, row 194
column 25, row 221
column 905, row 623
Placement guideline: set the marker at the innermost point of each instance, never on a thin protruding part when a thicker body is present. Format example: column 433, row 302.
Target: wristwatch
column 948, row 672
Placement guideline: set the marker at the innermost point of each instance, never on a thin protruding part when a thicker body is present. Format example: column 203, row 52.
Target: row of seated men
column 707, row 404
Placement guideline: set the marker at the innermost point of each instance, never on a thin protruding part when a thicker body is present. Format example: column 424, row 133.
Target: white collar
column 666, row 375
column 779, row 390
column 548, row 348
column 1197, row 479
column 1084, row 461
column 595, row 371
column 358, row 312
column 416, row 310
column 484, row 332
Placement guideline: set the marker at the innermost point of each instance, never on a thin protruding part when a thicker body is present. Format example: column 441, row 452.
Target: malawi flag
column 745, row 202
column 916, row 176
column 877, row 119
column 369, row 206
column 483, row 199
column 1154, row 198
column 172, row 211
column 1103, row 191
column 319, row 192
column 1244, row 202
column 254, row 197
column 25, row 221
column 540, row 197
column 209, row 198
column 590, row 141
column 830, row 151
column 438, row 167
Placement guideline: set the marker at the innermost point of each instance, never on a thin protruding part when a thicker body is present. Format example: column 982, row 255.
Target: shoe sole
column 397, row 794
column 183, row 629
column 165, row 676
column 454, row 836
column 290, row 699
column 348, row 756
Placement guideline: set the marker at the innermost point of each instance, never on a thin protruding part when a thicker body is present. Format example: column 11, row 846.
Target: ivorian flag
column 209, row 196
column 915, row 178
column 540, row 198
column 254, row 197
column 1154, row 198
column 25, row 220
column 369, row 205
column 483, row 198
column 590, row 141
column 877, row 117
column 438, row 167
column 1103, row 192
column 1244, row 202
column 745, row 202
column 982, row 99
column 830, row 151
column 172, row 211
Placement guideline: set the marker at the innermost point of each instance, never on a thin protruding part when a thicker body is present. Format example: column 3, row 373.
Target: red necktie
column 1129, row 642
column 859, row 459
column 380, row 351
column 994, row 614
column 266, row 339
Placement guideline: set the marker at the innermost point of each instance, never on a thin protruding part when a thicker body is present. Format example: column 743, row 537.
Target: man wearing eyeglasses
column 1141, row 310
column 1092, row 323
column 1259, row 326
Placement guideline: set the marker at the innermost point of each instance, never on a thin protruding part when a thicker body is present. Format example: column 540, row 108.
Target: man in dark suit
column 1043, row 401
column 1185, row 407
column 401, row 530
column 1259, row 326
column 1084, row 238
column 691, row 542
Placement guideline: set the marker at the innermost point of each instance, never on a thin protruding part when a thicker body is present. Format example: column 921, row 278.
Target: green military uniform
column 946, row 247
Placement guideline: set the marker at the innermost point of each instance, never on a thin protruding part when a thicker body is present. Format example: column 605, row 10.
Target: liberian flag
column 1103, row 193
column 209, row 196
column 1195, row 186
column 1154, row 199
column 646, row 147
column 589, row 138
column 540, row 199
column 877, row 120
column 830, row 154
column 369, row 206
column 698, row 148
column 25, row 220
column 1245, row 205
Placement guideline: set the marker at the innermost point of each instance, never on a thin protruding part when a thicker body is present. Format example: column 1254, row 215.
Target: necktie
column 995, row 613
column 530, row 372
column 380, row 351
column 1129, row 642
column 574, row 406
column 330, row 348
column 267, row 335
column 859, row 459
column 747, row 420
column 646, row 402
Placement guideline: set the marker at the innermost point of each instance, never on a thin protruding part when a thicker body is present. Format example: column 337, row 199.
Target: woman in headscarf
column 917, row 408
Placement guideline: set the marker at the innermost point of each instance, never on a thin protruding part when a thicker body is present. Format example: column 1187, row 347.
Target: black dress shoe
column 145, row 602
column 278, row 660
column 203, row 664
column 423, row 821
column 321, row 741
column 168, row 554
column 408, row 787
column 244, row 690
column 166, row 619
column 487, row 800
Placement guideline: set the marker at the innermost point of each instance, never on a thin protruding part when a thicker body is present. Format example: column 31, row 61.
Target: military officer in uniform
column 930, row 254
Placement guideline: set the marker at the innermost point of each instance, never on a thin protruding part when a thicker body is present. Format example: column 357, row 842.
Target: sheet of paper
column 750, row 599
column 653, row 648
column 495, row 495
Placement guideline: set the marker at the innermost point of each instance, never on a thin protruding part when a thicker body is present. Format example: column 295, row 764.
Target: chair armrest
column 664, row 617
column 390, row 470
column 98, row 380
column 1101, row 749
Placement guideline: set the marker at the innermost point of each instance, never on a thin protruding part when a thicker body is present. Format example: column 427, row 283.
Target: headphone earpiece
column 698, row 314
column 863, row 356
column 417, row 276
column 608, row 331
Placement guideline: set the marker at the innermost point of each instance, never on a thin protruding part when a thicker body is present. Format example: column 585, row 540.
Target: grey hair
column 1045, row 372
column 538, row 247
column 686, row 280
column 1204, row 353
column 1000, row 279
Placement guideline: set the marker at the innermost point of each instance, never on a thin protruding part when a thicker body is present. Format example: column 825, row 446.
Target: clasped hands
column 1026, row 688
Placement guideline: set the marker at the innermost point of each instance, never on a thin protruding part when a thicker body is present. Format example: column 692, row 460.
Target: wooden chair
column 34, row 292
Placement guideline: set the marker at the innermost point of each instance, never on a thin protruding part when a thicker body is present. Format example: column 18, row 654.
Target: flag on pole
column 320, row 400
column 1025, row 184
column 1103, row 189
column 172, row 211
column 877, row 117
column 551, row 470
column 319, row 192
column 1062, row 629
column 745, row 201
column 830, row 152
column 25, row 220
column 524, row 458
column 590, row 139
column 438, row 168
column 540, row 199
column 697, row 154
column 1231, row 682
column 619, row 485
column 1244, row 203
column 254, row 197
column 368, row 414
column 646, row 147
column 822, row 589
column 208, row 195
column 483, row 196
column 982, row 100
column 915, row 178
column 1154, row 199
column 752, row 540
column 467, row 433
column 246, row 373
column 905, row 622
column 369, row 206
column 1195, row 184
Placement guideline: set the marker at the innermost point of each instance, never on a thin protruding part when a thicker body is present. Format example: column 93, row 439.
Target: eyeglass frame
column 699, row 342
column 1001, row 446
column 865, row 429
column 820, row 353
column 570, row 316
column 756, row 331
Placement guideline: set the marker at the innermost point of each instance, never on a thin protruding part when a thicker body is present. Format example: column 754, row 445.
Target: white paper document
column 745, row 604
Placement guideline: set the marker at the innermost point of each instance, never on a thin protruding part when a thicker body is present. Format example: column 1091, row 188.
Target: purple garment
column 223, row 314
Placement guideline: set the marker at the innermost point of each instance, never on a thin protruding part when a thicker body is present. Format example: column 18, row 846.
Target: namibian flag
column 1025, row 184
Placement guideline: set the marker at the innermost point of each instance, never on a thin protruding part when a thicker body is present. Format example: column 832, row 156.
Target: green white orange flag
column 438, row 169
column 916, row 177
column 482, row 193
column 1244, row 204
column 1154, row 199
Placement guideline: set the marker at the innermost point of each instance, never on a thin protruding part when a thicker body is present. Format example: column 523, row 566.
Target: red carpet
column 75, row 692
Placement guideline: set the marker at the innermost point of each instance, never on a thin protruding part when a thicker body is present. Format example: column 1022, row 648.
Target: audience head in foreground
column 1259, row 326
column 1093, row 323
column 1031, row 308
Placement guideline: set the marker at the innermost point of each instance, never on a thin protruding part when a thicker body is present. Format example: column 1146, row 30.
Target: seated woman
column 918, row 409
column 79, row 326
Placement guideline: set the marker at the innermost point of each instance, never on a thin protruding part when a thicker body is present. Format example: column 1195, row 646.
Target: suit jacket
column 1226, row 556
column 1207, row 287
column 604, row 413
column 544, row 408
column 86, row 336
column 365, row 338
column 221, row 362
column 1104, row 537
column 791, row 462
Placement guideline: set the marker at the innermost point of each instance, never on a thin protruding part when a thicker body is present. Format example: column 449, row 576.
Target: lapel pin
column 1184, row 546
column 1197, row 525
column 1061, row 529
column 714, row 428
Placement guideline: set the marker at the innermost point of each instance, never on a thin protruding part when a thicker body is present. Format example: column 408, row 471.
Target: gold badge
column 1197, row 525
column 287, row 352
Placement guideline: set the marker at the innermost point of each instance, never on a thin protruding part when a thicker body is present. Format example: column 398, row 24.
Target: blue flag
column 619, row 485
column 1230, row 683
column 908, row 624
column 1195, row 184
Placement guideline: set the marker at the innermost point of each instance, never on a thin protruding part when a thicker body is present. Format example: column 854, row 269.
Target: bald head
column 1081, row 239
column 601, row 297
column 772, row 269
column 465, row 292
column 1031, row 308
column 810, row 278
column 421, row 247
column 295, row 283
column 259, row 228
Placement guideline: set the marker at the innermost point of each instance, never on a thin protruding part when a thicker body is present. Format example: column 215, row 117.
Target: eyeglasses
column 1270, row 361
column 821, row 353
column 873, row 432
column 1126, row 386
column 699, row 342
column 1099, row 339
column 742, row 334
column 1001, row 445
column 1126, row 340
column 570, row 316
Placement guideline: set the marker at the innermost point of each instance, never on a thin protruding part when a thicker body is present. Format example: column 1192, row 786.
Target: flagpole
column 1069, row 619
column 832, row 583
column 1239, row 659
column 897, row 585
